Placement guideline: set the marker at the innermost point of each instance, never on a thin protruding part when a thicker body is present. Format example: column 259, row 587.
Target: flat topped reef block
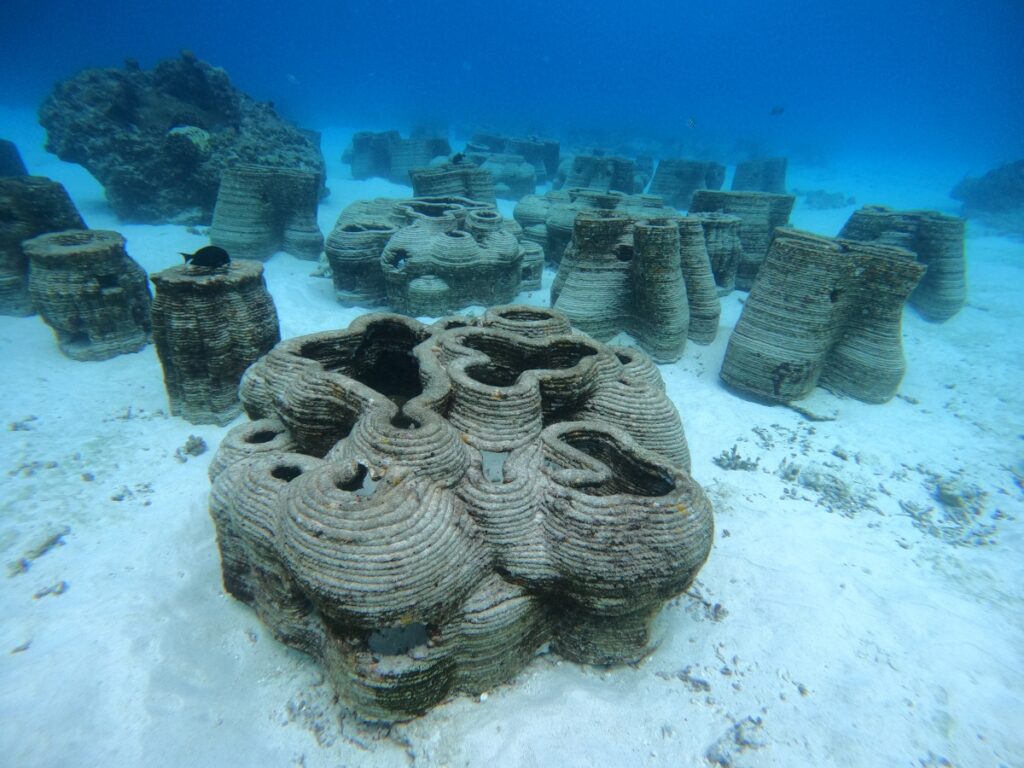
column 262, row 209
column 389, row 156
column 602, row 172
column 542, row 154
column 209, row 325
column 676, row 180
column 92, row 293
column 463, row 179
column 421, row 508
column 722, row 239
column 648, row 277
column 938, row 242
column 823, row 311
column 31, row 205
column 759, row 212
column 761, row 176
column 11, row 163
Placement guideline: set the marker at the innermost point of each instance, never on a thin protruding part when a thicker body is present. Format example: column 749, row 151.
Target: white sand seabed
column 831, row 626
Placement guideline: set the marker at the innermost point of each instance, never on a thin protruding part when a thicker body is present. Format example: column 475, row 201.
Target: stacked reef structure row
column 823, row 312
column 676, row 180
column 768, row 175
column 759, row 213
column 422, row 507
column 387, row 155
column 454, row 179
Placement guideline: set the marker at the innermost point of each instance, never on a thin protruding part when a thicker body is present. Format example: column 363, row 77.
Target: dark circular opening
column 401, row 421
column 263, row 436
column 286, row 472
column 355, row 482
column 624, row 358
column 624, row 252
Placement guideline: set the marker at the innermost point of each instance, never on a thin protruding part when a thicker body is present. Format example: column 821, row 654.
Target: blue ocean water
column 939, row 79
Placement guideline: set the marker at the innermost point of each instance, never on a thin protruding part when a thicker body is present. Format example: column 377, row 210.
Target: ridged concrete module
column 722, row 239
column 11, row 163
column 768, row 175
column 389, row 156
column 32, row 206
column 92, row 294
column 513, row 175
column 541, row 153
column 464, row 179
column 421, row 508
column 433, row 255
column 209, row 325
column 823, row 312
column 261, row 210
column 676, row 180
column 548, row 219
column 604, row 172
column 938, row 242
column 649, row 277
column 760, row 213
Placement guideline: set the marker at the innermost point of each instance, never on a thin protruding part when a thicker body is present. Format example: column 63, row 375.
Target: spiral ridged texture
column 465, row 179
column 759, row 212
column 353, row 251
column 92, row 294
column 701, row 295
column 423, row 507
column 209, row 325
column 389, row 156
column 602, row 172
column 937, row 240
column 823, row 311
column 32, row 206
column 264, row 209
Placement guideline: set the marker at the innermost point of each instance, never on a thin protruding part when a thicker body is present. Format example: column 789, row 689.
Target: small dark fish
column 777, row 110
column 208, row 256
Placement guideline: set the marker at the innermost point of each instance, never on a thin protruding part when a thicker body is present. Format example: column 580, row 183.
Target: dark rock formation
column 209, row 325
column 422, row 507
column 389, row 156
column 996, row 199
column 675, row 180
column 463, row 179
column 159, row 141
column 759, row 212
column 826, row 312
column 30, row 206
column 761, row 176
column 261, row 210
column 620, row 273
column 938, row 242
column 11, row 163
column 93, row 294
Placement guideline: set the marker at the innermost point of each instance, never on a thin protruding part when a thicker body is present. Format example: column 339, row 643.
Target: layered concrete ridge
column 422, row 507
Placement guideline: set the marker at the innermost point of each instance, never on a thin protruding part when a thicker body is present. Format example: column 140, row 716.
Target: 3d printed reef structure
column 676, row 180
column 422, row 507
column 209, row 325
column 428, row 255
column 938, row 242
column 823, row 311
column 90, row 292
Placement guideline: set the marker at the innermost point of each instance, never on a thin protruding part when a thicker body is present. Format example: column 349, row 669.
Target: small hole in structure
column 399, row 257
column 834, row 295
column 624, row 252
column 263, row 436
column 360, row 484
column 286, row 472
column 396, row 641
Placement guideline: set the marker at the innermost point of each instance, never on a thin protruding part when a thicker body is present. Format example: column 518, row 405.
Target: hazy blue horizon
column 911, row 79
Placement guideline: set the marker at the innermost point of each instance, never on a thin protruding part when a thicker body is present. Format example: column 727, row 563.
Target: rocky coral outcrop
column 159, row 141
column 422, row 507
